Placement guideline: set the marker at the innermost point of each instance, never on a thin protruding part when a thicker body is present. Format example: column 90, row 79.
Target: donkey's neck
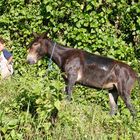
column 55, row 51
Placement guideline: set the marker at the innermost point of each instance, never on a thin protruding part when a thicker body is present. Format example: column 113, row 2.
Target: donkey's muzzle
column 30, row 61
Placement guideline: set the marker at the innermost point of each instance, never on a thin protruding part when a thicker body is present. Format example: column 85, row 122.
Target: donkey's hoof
column 68, row 98
column 113, row 113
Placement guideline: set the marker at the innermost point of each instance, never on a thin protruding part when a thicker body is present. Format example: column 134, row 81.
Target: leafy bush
column 109, row 28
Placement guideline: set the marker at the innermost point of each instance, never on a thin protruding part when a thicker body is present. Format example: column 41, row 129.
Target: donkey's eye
column 35, row 44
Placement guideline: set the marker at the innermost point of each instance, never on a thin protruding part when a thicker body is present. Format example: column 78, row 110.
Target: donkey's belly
column 99, row 79
column 98, row 84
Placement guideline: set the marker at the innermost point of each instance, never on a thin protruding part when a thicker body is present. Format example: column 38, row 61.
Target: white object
column 5, row 68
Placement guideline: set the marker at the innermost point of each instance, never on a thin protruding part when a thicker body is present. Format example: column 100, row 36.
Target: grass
column 27, row 105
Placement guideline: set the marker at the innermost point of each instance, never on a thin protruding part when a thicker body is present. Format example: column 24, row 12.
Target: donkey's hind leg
column 127, row 101
column 125, row 91
column 113, row 98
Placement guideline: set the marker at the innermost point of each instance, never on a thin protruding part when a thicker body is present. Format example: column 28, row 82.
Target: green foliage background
column 28, row 101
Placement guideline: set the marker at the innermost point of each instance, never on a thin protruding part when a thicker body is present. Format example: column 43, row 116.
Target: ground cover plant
column 32, row 103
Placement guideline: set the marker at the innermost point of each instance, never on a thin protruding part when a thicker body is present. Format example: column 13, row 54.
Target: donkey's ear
column 44, row 35
column 35, row 34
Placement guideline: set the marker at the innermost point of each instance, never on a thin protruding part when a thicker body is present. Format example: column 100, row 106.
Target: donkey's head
column 37, row 48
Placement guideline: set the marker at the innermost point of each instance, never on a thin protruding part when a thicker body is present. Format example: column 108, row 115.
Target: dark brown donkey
column 87, row 69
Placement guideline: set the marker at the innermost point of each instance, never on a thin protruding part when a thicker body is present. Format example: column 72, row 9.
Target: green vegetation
column 33, row 106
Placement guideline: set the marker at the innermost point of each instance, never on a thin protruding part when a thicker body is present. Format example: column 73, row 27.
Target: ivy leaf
column 48, row 8
column 57, row 104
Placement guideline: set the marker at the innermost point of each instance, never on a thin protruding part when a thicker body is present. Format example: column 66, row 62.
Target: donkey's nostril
column 30, row 61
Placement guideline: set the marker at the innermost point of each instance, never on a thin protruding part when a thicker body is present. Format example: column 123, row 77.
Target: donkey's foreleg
column 72, row 68
column 70, row 83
